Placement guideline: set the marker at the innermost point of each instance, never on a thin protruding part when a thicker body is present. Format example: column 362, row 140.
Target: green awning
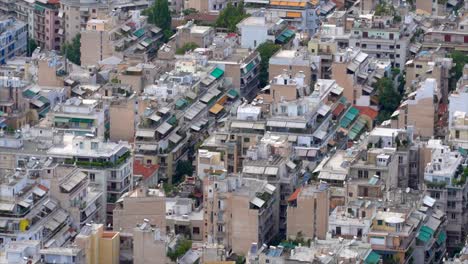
column 148, row 41
column 425, row 233
column 427, row 230
column 343, row 100
column 372, row 258
column 463, row 151
column 288, row 33
column 345, row 122
column 28, row 93
column 232, row 94
column 250, row 66
column 281, row 39
column 39, row 8
column 442, row 237
column 217, row 72
column 44, row 111
column 44, row 100
column 180, row 103
column 139, row 32
column 61, row 119
column 82, row 120
column 172, row 120
column 1, row 113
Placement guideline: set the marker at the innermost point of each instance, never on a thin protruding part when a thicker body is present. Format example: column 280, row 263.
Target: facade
column 307, row 213
column 295, row 62
column 95, row 42
column 458, row 136
column 99, row 246
column 13, row 38
column 258, row 29
column 202, row 36
column 47, row 31
column 149, row 244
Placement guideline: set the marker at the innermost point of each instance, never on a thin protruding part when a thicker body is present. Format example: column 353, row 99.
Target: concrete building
column 47, row 22
column 138, row 204
column 149, row 245
column 202, row 36
column 98, row 246
column 260, row 28
column 13, row 39
column 72, row 255
column 122, row 108
column 447, row 36
column 419, row 110
column 352, row 220
column 446, row 186
column 76, row 14
column 239, row 211
column 184, row 219
column 208, row 162
column 12, row 103
column 307, row 213
column 459, row 97
column 295, row 62
column 25, row 12
column 96, row 42
column 381, row 37
column 458, row 136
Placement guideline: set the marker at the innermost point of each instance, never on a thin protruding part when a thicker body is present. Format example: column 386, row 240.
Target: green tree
column 389, row 98
column 460, row 59
column 266, row 50
column 189, row 11
column 159, row 15
column 184, row 167
column 187, row 47
column 31, row 46
column 230, row 16
column 72, row 50
column 182, row 246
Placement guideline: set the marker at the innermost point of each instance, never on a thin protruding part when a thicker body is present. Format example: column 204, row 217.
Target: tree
column 72, row 50
column 31, row 46
column 230, row 16
column 182, row 246
column 187, row 47
column 183, row 168
column 266, row 50
column 189, row 11
column 389, row 99
column 159, row 15
column 460, row 59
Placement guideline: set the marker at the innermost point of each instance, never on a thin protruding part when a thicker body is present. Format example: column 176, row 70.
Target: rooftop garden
column 99, row 163
column 460, row 176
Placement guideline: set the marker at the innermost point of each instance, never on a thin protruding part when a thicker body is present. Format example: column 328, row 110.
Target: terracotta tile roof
column 365, row 110
column 338, row 110
column 294, row 195
column 145, row 170
column 42, row 187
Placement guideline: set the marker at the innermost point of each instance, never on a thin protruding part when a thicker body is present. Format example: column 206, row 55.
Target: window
column 418, row 66
column 255, row 43
column 400, row 159
column 364, row 46
column 360, row 174
column 350, row 194
column 246, row 140
column 196, row 230
column 92, row 177
column 457, row 133
column 379, row 222
column 453, row 216
column 378, row 46
column 363, row 214
column 94, row 145
column 398, row 46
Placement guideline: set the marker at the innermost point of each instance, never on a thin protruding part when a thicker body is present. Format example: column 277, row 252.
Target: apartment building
column 458, row 136
column 239, row 211
column 260, row 28
column 96, row 42
column 419, row 110
column 459, row 97
column 208, row 161
column 29, row 212
column 202, row 36
column 47, row 31
column 99, row 246
column 25, row 12
column 76, row 13
column 295, row 62
column 447, row 187
column 149, row 244
column 141, row 203
column 81, row 117
column 72, row 255
column 352, row 220
column 14, row 107
column 448, row 36
column 381, row 37
column 308, row 211
column 51, row 69
column 108, row 165
column 13, row 38
column 184, row 219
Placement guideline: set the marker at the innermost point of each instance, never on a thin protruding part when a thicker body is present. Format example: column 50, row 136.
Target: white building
column 256, row 30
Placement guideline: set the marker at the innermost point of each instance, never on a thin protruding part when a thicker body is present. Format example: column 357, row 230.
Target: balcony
column 100, row 163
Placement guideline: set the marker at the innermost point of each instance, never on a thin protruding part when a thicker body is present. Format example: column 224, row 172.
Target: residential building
column 76, row 13
column 141, row 203
column 47, row 31
column 13, row 38
column 12, row 104
column 381, row 37
column 307, row 213
column 208, row 162
column 25, row 12
column 239, row 211
column 149, row 244
column 99, row 246
column 458, row 136
column 448, row 36
column 96, row 42
column 295, row 62
column 72, row 255
column 352, row 220
column 419, row 110
column 459, row 97
column 184, row 219
column 122, row 108
column 17, row 251
column 447, row 187
column 202, row 36
column 260, row 28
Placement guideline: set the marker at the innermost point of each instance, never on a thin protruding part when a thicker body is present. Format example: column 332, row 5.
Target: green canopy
column 139, row 32
column 81, row 120
column 250, row 66
column 181, row 102
column 425, row 233
column 232, row 93
column 372, row 258
column 217, row 72
column 442, row 237
column 28, row 93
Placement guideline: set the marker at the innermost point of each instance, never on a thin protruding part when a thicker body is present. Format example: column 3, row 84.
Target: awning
column 73, row 181
column 372, row 258
column 271, row 171
column 7, row 207
column 164, row 128
column 50, row 204
column 270, row 188
column 37, row 103
column 90, row 210
column 232, row 94
column 139, row 33
column 3, row 223
column 258, row 202
column 24, row 203
column 125, row 28
column 337, row 90
column 216, row 109
column 273, row 123
column 429, row 201
column 175, row 138
column 441, row 238
column 301, row 125
column 291, row 165
column 38, row 191
column 60, row 216
column 338, row 110
column 217, row 73
column 323, row 110
column 164, row 110
column 148, row 147
column 180, row 103
column 51, row 225
column 155, row 118
column 320, row 134
column 145, row 133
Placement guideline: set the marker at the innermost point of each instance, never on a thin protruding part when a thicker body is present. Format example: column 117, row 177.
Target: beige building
column 209, row 161
column 149, row 245
column 95, row 42
column 99, row 246
column 307, row 213
column 295, row 62
column 122, row 108
column 239, row 211
column 190, row 33
column 48, row 69
column 137, row 205
column 459, row 130
column 420, row 110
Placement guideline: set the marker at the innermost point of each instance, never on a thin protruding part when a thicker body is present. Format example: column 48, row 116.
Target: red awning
column 338, row 110
column 293, row 196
